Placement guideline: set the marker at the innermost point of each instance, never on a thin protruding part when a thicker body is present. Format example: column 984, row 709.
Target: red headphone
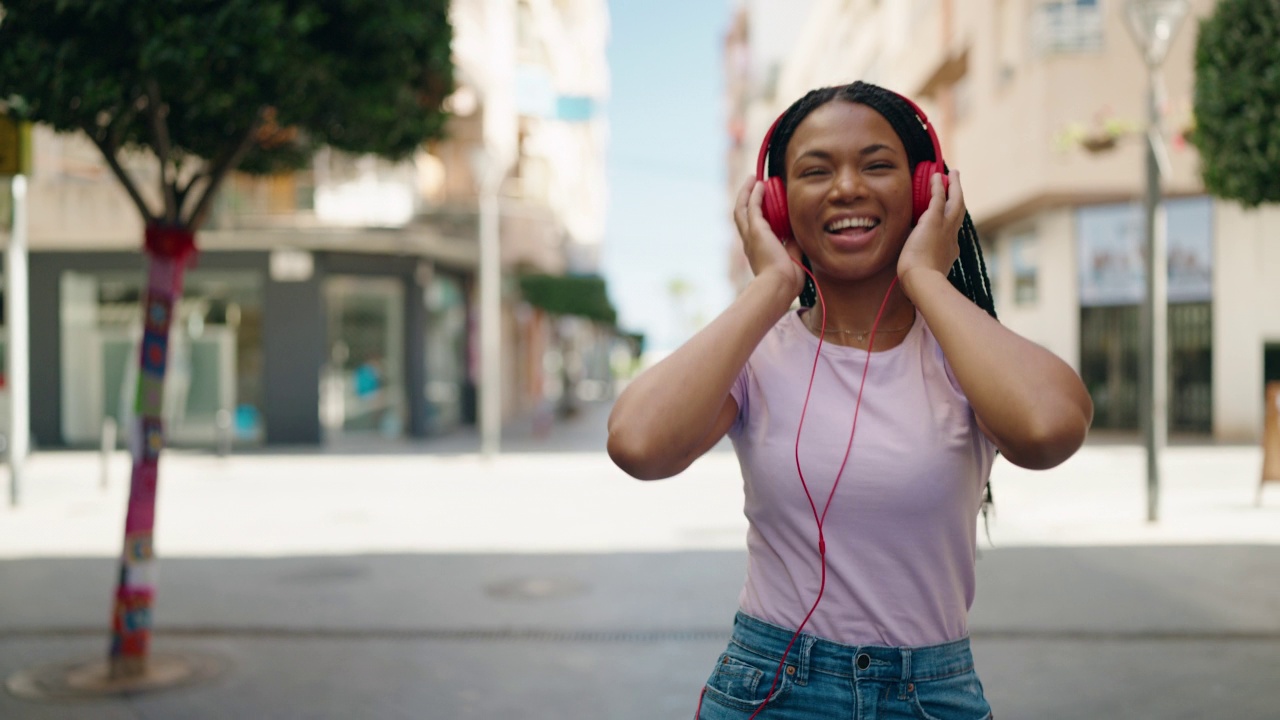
column 774, row 203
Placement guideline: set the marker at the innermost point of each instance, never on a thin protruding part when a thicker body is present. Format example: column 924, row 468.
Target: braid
column 969, row 274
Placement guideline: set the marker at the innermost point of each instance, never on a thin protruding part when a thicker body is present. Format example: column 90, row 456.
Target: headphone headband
column 928, row 126
column 775, row 197
column 920, row 116
column 764, row 147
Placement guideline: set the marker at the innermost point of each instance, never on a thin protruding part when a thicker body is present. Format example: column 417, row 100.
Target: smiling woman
column 859, row 217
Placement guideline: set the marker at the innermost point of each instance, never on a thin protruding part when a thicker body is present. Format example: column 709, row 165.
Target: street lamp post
column 491, row 172
column 18, row 346
column 15, row 164
column 1153, row 23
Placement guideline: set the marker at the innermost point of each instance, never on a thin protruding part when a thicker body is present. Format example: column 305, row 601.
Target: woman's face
column 848, row 190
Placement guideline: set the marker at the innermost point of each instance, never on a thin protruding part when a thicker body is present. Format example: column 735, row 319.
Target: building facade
column 1041, row 104
column 339, row 303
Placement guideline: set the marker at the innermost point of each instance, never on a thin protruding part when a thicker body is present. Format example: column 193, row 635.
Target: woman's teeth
column 862, row 223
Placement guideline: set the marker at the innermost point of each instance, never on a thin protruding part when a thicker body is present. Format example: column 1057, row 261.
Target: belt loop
column 802, row 661
column 906, row 663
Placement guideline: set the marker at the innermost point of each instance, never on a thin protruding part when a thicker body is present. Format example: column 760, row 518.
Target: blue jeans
column 824, row 679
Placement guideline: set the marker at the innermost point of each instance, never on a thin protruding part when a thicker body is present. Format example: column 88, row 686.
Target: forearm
column 664, row 416
column 1031, row 403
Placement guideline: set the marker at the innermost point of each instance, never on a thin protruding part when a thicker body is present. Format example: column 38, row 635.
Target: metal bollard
column 108, row 447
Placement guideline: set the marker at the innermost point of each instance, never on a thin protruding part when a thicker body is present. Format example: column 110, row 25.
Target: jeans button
column 863, row 661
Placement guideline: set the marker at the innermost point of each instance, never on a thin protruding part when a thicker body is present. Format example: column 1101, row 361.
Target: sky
column 668, row 209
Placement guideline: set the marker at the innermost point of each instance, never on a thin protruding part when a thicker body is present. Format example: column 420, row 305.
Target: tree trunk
column 169, row 250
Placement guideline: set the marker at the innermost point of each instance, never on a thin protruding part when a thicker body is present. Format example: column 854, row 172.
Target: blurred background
column 332, row 479
column 626, row 130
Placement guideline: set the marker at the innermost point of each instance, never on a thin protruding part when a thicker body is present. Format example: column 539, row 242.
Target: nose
column 846, row 184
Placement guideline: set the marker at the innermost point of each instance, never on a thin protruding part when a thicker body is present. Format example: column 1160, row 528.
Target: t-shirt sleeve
column 984, row 442
column 738, row 391
column 951, row 374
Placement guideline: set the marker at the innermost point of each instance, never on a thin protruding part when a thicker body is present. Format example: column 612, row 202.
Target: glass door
column 362, row 390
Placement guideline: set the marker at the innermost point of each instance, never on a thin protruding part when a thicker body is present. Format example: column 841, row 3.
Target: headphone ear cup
column 921, row 187
column 774, row 207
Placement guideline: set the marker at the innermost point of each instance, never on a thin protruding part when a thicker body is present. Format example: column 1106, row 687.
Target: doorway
column 362, row 389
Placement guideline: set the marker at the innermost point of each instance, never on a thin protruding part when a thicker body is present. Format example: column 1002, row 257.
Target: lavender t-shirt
column 901, row 528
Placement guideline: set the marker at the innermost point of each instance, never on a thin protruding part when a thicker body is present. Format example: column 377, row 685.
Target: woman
column 866, row 421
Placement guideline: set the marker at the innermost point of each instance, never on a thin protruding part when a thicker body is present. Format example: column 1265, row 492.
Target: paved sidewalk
column 422, row 581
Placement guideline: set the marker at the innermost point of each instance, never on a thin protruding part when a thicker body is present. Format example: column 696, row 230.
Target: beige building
column 338, row 303
column 1037, row 102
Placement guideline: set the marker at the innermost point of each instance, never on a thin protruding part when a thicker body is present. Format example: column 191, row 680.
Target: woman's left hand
column 932, row 243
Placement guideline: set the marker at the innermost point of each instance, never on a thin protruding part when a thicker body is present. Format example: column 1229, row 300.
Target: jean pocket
column 957, row 697
column 742, row 681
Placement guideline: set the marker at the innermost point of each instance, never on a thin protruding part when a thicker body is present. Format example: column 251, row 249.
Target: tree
column 581, row 295
column 201, row 88
column 1237, row 101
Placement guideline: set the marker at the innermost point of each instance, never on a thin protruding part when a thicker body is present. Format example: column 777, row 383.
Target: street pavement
column 421, row 580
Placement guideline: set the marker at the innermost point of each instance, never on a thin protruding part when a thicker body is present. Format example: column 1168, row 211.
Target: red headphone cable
column 818, row 519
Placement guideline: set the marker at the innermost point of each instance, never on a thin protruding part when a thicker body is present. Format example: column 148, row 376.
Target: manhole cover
column 87, row 679
column 536, row 588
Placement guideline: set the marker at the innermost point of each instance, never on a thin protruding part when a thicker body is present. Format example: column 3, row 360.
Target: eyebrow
column 824, row 155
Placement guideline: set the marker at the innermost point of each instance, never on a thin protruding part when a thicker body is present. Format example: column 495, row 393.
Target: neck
column 851, row 308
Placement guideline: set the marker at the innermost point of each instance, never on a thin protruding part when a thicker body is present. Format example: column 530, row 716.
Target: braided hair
column 969, row 273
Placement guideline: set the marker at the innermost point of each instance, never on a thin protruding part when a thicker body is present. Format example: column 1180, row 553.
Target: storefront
column 1112, row 287
column 357, row 345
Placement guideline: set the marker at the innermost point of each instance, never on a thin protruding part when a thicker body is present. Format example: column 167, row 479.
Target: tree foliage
column 211, row 86
column 1237, row 101
column 581, row 295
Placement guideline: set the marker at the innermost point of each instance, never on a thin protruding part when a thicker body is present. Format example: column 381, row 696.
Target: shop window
column 1190, row 348
column 1111, row 353
column 445, row 352
column 213, row 378
column 1109, row 364
column 1112, row 265
column 363, row 390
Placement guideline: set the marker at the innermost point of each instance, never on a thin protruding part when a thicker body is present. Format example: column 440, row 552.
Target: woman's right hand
column 765, row 252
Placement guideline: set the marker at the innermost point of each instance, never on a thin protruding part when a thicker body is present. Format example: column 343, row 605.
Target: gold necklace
column 860, row 336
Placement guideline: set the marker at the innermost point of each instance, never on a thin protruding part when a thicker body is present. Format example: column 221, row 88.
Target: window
column 362, row 390
column 1112, row 266
column 445, row 351
column 1110, row 356
column 1023, row 252
column 214, row 366
column 1065, row 26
